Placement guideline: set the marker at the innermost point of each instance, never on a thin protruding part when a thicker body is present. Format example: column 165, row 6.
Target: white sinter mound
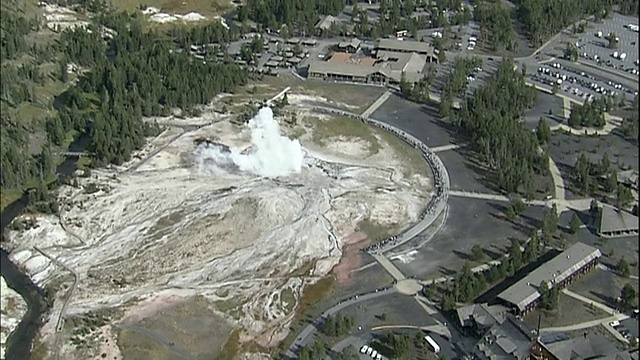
column 238, row 216
column 271, row 153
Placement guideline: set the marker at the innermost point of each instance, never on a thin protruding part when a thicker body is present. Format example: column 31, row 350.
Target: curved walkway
column 310, row 329
column 433, row 210
column 441, row 179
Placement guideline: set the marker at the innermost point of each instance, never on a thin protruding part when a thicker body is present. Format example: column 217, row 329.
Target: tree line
column 136, row 74
column 542, row 19
column 297, row 15
column 490, row 118
column 496, row 25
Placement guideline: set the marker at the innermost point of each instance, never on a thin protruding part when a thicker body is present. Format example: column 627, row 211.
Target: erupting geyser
column 271, row 155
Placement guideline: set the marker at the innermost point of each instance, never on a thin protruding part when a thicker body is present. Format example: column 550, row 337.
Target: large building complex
column 393, row 59
column 524, row 296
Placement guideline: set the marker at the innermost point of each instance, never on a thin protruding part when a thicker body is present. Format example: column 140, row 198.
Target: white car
column 364, row 349
column 374, row 354
column 614, row 324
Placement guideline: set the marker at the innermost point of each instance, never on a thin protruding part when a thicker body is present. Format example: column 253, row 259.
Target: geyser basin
column 166, row 228
column 271, row 153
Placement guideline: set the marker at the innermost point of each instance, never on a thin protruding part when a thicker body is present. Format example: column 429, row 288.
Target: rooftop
column 347, row 58
column 354, row 42
column 508, row 340
column 525, row 291
column 326, row 22
column 482, row 315
column 405, row 45
column 612, row 220
column 585, row 347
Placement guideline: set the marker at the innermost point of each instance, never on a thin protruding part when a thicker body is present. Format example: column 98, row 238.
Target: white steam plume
column 271, row 153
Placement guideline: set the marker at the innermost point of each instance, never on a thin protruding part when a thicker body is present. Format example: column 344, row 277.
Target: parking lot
column 593, row 44
column 596, row 72
column 579, row 84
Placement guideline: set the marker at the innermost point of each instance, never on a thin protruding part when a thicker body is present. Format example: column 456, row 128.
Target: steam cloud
column 271, row 154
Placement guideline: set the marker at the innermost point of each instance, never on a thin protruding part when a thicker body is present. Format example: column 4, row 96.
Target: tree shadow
column 483, row 175
column 462, row 255
column 531, row 222
column 491, row 254
column 447, row 272
column 606, row 299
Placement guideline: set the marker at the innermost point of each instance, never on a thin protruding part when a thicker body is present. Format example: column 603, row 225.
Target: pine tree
column 575, row 224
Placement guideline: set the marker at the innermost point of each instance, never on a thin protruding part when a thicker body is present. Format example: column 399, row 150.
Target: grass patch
column 39, row 349
column 570, row 311
column 28, row 113
column 411, row 156
column 311, row 295
column 355, row 98
column 139, row 346
column 325, row 129
column 231, row 347
column 375, row 232
column 204, row 7
column 288, row 300
column 226, row 305
column 8, row 197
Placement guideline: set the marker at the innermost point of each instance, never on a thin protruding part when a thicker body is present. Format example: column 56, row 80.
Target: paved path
column 60, row 315
column 310, row 329
column 604, row 267
column 376, row 104
column 446, row 147
column 558, row 181
column 586, row 300
column 585, row 325
column 278, row 96
column 389, row 267
column 604, row 308
column 484, row 196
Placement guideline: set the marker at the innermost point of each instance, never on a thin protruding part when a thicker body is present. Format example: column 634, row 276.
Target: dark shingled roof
column 612, row 219
column 525, row 291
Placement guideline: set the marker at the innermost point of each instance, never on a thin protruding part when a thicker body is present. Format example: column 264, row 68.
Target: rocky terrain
column 165, row 228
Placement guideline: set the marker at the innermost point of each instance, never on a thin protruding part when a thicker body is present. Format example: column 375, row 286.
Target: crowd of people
column 440, row 196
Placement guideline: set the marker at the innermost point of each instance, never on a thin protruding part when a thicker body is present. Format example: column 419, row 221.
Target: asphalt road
column 310, row 329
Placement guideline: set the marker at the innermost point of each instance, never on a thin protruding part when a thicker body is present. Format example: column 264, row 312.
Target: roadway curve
column 302, row 337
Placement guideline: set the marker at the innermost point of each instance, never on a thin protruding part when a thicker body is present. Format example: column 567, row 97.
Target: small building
column 309, row 42
column 511, row 339
column 346, row 72
column 352, row 46
column 325, row 23
column 408, row 46
column 558, row 346
column 295, row 61
column 613, row 222
column 523, row 296
column 272, row 64
column 277, row 59
column 293, row 41
column 629, row 178
column 479, row 318
column 288, row 54
column 402, row 33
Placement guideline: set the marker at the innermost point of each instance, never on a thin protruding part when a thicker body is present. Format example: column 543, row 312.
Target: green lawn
column 339, row 126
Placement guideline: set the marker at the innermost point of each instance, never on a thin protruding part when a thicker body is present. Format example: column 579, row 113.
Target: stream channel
column 20, row 341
